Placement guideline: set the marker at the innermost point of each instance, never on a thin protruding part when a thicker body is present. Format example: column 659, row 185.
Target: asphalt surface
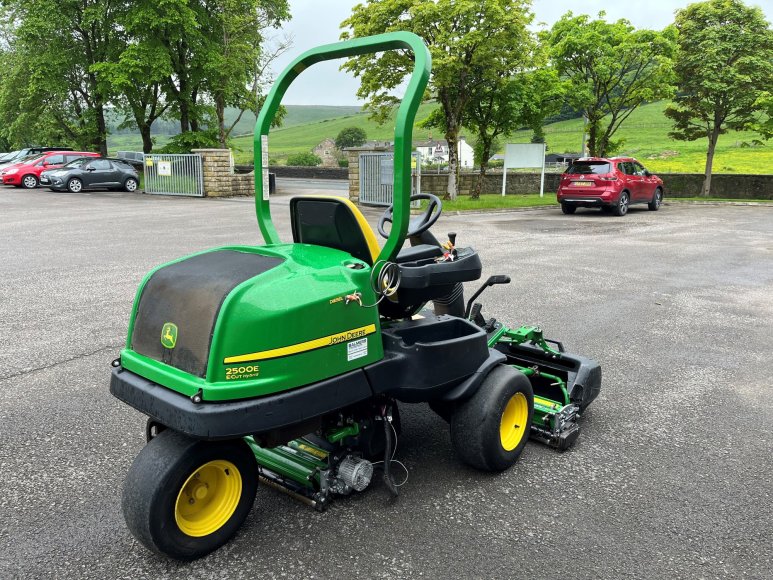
column 671, row 477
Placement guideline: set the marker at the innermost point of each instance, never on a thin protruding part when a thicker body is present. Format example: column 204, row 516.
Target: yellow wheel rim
column 208, row 498
column 513, row 424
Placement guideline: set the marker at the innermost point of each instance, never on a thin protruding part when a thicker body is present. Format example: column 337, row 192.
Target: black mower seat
column 333, row 222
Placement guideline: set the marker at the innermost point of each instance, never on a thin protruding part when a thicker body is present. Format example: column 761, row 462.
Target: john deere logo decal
column 169, row 335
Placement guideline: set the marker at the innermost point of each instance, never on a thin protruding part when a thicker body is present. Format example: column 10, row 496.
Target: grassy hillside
column 288, row 140
column 296, row 115
column 645, row 135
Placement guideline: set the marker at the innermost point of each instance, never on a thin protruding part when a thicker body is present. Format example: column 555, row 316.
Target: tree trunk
column 593, row 135
column 101, row 128
column 485, row 155
column 220, row 111
column 147, row 142
column 185, row 124
column 713, row 138
column 453, row 161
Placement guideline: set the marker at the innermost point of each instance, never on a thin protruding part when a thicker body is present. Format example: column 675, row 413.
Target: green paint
column 403, row 126
column 343, row 432
column 289, row 463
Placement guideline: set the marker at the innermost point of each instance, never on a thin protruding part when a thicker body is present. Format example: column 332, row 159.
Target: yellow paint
column 322, row 342
column 512, row 426
column 169, row 335
column 208, row 498
column 545, row 403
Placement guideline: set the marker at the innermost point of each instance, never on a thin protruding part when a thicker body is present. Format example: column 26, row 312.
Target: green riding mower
column 283, row 364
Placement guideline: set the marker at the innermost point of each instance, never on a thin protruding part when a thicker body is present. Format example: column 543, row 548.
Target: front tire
column 75, row 185
column 657, row 200
column 489, row 431
column 185, row 498
column 130, row 185
column 568, row 209
column 622, row 205
column 29, row 182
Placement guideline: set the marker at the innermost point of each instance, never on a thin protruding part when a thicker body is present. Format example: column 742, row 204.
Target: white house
column 436, row 151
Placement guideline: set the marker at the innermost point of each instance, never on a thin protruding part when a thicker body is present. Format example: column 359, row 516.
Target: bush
column 343, row 162
column 304, row 160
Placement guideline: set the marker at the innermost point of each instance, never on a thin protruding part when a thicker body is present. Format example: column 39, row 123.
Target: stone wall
column 353, row 155
column 310, row 172
column 675, row 184
column 219, row 178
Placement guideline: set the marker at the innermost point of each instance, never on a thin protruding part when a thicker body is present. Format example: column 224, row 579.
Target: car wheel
column 75, row 185
column 568, row 209
column 657, row 200
column 29, row 182
column 130, row 184
column 622, row 205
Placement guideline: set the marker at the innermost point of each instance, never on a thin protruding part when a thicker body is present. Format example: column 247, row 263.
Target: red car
column 610, row 184
column 27, row 173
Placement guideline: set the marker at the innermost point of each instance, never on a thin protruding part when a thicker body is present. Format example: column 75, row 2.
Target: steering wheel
column 420, row 223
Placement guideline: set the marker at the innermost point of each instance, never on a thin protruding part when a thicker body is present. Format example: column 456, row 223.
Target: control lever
column 449, row 249
column 493, row 280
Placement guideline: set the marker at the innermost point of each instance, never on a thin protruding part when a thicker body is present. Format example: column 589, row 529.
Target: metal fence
column 377, row 177
column 173, row 175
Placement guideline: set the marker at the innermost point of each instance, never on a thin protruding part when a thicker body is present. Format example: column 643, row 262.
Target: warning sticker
column 264, row 161
column 357, row 349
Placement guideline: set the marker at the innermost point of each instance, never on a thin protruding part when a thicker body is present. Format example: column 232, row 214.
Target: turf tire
column 156, row 478
column 475, row 425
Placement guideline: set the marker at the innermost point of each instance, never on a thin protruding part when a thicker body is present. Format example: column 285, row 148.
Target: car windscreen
column 78, row 162
column 589, row 168
column 9, row 156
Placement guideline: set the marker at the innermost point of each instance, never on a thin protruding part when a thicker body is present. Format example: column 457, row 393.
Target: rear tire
column 29, row 182
column 185, row 498
column 568, row 209
column 657, row 200
column 75, row 185
column 490, row 430
column 622, row 205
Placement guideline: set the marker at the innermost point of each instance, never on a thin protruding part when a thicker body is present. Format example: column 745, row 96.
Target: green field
column 645, row 136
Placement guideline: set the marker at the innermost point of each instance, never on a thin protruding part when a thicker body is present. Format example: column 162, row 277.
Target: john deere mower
column 284, row 364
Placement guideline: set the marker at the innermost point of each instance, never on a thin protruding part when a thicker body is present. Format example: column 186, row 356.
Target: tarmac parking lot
column 671, row 477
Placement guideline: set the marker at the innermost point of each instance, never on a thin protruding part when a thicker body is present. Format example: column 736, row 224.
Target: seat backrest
column 333, row 222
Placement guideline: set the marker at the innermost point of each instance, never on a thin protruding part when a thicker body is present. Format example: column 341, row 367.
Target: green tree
column 612, row 69
column 501, row 104
column 307, row 159
column 462, row 36
column 351, row 137
column 58, row 45
column 724, row 66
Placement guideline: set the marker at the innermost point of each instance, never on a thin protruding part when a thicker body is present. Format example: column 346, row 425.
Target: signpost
column 524, row 155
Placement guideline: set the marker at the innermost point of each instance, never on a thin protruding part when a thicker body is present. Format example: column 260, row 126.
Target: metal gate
column 173, row 174
column 377, row 177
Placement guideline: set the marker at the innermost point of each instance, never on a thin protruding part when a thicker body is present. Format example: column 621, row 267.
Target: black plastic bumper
column 226, row 420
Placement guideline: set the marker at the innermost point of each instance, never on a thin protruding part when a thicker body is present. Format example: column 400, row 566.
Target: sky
column 316, row 22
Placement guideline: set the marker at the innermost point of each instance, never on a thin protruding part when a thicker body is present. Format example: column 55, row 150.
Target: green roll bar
column 403, row 126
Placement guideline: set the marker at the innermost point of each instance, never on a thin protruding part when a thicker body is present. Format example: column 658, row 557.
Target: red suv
column 610, row 184
column 27, row 173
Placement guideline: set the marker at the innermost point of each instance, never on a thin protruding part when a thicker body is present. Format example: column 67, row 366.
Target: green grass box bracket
column 403, row 127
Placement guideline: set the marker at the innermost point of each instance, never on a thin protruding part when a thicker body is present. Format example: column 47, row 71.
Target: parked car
column 21, row 154
column 91, row 172
column 27, row 173
column 612, row 184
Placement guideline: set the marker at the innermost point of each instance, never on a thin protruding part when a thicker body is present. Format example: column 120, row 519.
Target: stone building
column 328, row 152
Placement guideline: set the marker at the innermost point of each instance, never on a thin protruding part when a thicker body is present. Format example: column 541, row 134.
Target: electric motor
column 355, row 472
